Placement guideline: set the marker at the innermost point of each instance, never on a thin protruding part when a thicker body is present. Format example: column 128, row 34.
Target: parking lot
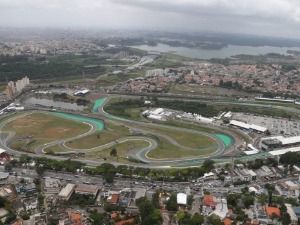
column 276, row 126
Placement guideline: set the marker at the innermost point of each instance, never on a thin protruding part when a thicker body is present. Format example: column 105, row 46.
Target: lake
column 54, row 104
column 226, row 52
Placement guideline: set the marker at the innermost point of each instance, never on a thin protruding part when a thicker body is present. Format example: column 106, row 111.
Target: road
column 140, row 154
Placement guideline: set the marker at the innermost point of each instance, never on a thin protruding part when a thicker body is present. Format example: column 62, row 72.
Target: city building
column 66, row 192
column 181, row 199
column 52, row 186
column 87, row 189
column 291, row 212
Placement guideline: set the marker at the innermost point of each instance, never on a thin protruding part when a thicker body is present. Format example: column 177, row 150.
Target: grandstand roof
column 289, row 140
column 282, row 151
column 248, row 126
column 83, row 92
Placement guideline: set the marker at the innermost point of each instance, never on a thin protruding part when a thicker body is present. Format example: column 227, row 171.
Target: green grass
column 167, row 150
column 186, row 139
column 209, row 90
column 112, row 79
column 113, row 133
column 121, row 148
column 43, row 128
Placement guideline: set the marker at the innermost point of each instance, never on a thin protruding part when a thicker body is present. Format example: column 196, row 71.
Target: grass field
column 186, row 139
column 166, row 150
column 121, row 148
column 211, row 90
column 112, row 79
column 112, row 133
column 43, row 128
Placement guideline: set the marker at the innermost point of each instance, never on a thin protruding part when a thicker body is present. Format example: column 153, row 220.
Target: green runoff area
column 98, row 103
column 98, row 123
column 36, row 129
column 225, row 138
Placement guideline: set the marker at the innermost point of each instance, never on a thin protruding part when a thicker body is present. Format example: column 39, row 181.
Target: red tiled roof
column 270, row 210
column 114, row 199
column 125, row 221
column 227, row 221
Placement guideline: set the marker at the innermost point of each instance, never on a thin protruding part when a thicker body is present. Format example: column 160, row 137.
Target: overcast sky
column 266, row 17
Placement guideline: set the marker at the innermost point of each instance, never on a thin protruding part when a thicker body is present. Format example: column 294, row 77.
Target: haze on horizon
column 279, row 18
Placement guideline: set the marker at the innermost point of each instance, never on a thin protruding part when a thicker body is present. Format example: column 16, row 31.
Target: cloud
column 249, row 16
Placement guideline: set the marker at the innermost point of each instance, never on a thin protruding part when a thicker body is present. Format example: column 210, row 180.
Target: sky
column 261, row 17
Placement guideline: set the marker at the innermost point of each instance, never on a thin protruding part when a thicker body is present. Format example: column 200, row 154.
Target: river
column 225, row 52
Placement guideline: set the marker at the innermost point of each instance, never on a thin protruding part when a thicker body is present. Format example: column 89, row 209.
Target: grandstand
column 82, row 93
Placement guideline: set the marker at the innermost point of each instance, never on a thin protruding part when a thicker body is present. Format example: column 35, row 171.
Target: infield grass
column 43, row 128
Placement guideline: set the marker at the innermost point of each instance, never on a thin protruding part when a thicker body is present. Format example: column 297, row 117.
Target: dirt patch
column 29, row 121
column 57, row 132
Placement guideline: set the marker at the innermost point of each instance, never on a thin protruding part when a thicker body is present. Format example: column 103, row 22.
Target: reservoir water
column 55, row 104
column 225, row 52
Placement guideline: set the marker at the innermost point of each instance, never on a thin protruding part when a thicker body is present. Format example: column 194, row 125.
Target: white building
column 181, row 199
column 291, row 212
column 66, row 192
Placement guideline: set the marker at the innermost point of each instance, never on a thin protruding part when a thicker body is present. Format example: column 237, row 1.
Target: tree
column 197, row 219
column 113, row 152
column 171, row 204
column 40, row 170
column 208, row 164
column 8, row 166
column 214, row 220
column 149, row 215
column 290, row 158
column 270, row 193
column 248, row 200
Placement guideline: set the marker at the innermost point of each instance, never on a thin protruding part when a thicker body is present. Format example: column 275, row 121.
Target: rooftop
column 181, row 198
column 87, row 188
column 272, row 210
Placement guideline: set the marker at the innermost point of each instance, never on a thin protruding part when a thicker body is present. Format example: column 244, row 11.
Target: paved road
column 140, row 154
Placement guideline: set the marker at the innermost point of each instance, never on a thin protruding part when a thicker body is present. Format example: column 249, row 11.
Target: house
column 113, row 199
column 75, row 218
column 8, row 192
column 272, row 210
column 31, row 203
column 125, row 221
column 18, row 206
column 227, row 221
column 17, row 222
column 221, row 208
column 3, row 212
column 208, row 200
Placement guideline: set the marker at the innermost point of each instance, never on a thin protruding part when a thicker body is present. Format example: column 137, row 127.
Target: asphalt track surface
column 139, row 154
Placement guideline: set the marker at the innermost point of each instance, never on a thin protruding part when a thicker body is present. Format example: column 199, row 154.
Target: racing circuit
column 224, row 141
